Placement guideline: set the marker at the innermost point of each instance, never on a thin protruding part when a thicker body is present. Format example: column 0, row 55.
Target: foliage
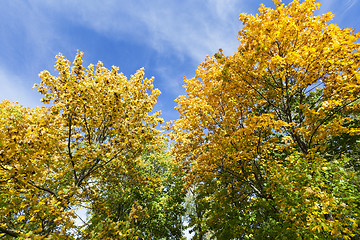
column 123, row 208
column 33, row 200
column 98, row 122
column 258, row 132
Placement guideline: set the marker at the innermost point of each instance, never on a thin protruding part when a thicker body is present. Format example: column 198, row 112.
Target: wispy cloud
column 28, row 32
column 349, row 4
column 191, row 28
column 35, row 31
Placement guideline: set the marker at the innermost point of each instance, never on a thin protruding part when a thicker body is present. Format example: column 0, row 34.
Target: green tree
column 123, row 208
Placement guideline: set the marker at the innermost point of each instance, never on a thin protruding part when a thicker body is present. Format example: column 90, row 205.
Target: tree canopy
column 97, row 141
column 266, row 145
column 269, row 136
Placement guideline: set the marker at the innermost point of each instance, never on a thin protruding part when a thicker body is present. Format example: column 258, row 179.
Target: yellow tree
column 30, row 202
column 51, row 158
column 254, row 128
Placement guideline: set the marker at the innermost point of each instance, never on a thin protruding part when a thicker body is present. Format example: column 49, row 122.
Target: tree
column 125, row 209
column 52, row 157
column 257, row 129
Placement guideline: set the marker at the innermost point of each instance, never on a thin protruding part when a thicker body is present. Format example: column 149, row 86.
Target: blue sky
column 168, row 38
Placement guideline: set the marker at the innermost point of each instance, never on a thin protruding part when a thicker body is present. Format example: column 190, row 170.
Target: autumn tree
column 269, row 135
column 52, row 158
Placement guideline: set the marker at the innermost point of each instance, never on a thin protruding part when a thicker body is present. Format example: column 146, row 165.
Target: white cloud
column 349, row 4
column 30, row 42
column 188, row 28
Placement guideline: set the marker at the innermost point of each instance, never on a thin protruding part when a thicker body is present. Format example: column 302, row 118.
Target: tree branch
column 9, row 232
column 69, row 151
column 334, row 111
